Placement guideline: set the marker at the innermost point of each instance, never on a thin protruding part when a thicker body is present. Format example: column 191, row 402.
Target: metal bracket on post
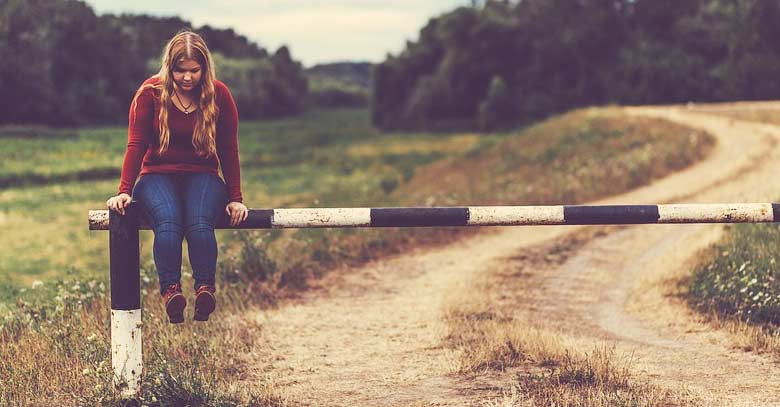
column 125, row 270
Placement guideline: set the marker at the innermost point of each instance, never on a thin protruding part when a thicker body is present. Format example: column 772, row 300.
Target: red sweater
column 143, row 137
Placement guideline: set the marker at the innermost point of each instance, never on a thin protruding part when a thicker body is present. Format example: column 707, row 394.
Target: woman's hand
column 237, row 212
column 119, row 203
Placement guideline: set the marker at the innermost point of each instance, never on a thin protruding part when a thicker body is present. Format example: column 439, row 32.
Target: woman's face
column 187, row 73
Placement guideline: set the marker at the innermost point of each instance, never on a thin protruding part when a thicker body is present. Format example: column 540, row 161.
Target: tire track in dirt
column 372, row 336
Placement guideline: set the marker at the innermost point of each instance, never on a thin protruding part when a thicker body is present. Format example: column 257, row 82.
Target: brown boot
column 205, row 302
column 174, row 303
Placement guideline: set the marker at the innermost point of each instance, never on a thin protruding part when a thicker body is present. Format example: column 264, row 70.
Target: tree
column 498, row 108
column 541, row 57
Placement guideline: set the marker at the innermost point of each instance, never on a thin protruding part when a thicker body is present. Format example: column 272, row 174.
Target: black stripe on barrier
column 256, row 219
column 610, row 214
column 776, row 212
column 388, row 217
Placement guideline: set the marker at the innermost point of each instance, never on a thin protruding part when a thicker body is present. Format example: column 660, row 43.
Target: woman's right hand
column 119, row 203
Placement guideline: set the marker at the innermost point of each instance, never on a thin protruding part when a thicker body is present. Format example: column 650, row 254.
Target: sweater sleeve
column 227, row 143
column 139, row 132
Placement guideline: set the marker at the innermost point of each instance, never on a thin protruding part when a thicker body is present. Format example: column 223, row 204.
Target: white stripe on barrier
column 516, row 215
column 321, row 217
column 715, row 213
column 126, row 353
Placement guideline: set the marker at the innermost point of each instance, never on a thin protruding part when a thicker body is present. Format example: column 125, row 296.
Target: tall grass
column 600, row 378
column 58, row 352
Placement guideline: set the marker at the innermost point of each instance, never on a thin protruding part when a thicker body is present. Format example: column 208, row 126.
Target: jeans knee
column 168, row 227
column 200, row 224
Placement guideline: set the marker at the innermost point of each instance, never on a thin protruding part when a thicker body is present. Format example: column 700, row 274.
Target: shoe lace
column 172, row 289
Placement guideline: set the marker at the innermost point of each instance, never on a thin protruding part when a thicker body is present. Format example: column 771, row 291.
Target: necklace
column 186, row 108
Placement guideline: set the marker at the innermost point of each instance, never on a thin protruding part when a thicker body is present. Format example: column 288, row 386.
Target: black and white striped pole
column 125, row 256
column 491, row 216
column 126, row 323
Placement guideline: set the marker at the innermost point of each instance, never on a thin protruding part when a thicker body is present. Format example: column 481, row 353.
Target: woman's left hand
column 237, row 212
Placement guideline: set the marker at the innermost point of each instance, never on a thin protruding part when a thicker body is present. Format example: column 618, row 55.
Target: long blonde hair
column 187, row 45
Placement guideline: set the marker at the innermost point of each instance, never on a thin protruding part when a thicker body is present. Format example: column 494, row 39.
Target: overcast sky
column 315, row 30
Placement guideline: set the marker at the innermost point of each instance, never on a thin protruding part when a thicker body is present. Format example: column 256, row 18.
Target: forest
column 62, row 65
column 486, row 66
column 505, row 63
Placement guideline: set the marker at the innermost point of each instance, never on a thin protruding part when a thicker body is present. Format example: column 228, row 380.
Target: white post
column 126, row 352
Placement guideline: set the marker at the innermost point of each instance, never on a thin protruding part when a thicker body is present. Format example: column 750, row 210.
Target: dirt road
column 373, row 336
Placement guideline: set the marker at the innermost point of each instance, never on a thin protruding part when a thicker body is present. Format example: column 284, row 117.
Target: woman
column 183, row 125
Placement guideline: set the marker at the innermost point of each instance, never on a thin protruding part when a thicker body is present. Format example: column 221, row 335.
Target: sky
column 316, row 31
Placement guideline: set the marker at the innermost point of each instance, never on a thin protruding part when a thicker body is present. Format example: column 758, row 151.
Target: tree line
column 61, row 64
column 340, row 84
column 498, row 64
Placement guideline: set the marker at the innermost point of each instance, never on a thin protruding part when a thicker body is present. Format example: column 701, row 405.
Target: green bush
column 741, row 278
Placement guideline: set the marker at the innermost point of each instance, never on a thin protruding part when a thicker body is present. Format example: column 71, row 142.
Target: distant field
column 58, row 156
column 762, row 112
column 325, row 158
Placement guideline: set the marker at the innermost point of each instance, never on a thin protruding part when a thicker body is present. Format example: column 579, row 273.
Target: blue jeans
column 180, row 205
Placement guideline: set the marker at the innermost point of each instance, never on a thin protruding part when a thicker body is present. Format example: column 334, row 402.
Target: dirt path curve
column 623, row 270
column 373, row 336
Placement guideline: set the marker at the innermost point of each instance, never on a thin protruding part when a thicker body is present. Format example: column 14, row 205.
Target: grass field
column 321, row 159
column 326, row 158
